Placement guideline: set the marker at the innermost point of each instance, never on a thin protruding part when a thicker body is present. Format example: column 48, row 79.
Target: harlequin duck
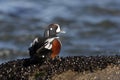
column 48, row 46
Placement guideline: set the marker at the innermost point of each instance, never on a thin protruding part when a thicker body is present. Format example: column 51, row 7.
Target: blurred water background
column 92, row 26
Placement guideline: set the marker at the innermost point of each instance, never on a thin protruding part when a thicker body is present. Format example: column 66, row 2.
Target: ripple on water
column 91, row 26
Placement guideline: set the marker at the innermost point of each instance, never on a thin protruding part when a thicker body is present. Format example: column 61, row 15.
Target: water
column 93, row 27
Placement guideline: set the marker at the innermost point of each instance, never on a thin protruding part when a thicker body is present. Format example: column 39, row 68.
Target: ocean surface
column 92, row 26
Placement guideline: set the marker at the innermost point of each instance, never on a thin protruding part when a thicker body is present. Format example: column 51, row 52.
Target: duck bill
column 62, row 32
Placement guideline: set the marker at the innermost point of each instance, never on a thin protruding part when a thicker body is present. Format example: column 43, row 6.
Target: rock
column 27, row 69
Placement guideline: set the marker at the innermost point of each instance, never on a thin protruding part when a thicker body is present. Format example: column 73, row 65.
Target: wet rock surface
column 26, row 69
column 109, row 73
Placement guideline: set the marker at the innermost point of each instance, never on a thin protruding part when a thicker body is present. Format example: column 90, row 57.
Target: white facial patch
column 58, row 28
column 51, row 28
column 48, row 44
